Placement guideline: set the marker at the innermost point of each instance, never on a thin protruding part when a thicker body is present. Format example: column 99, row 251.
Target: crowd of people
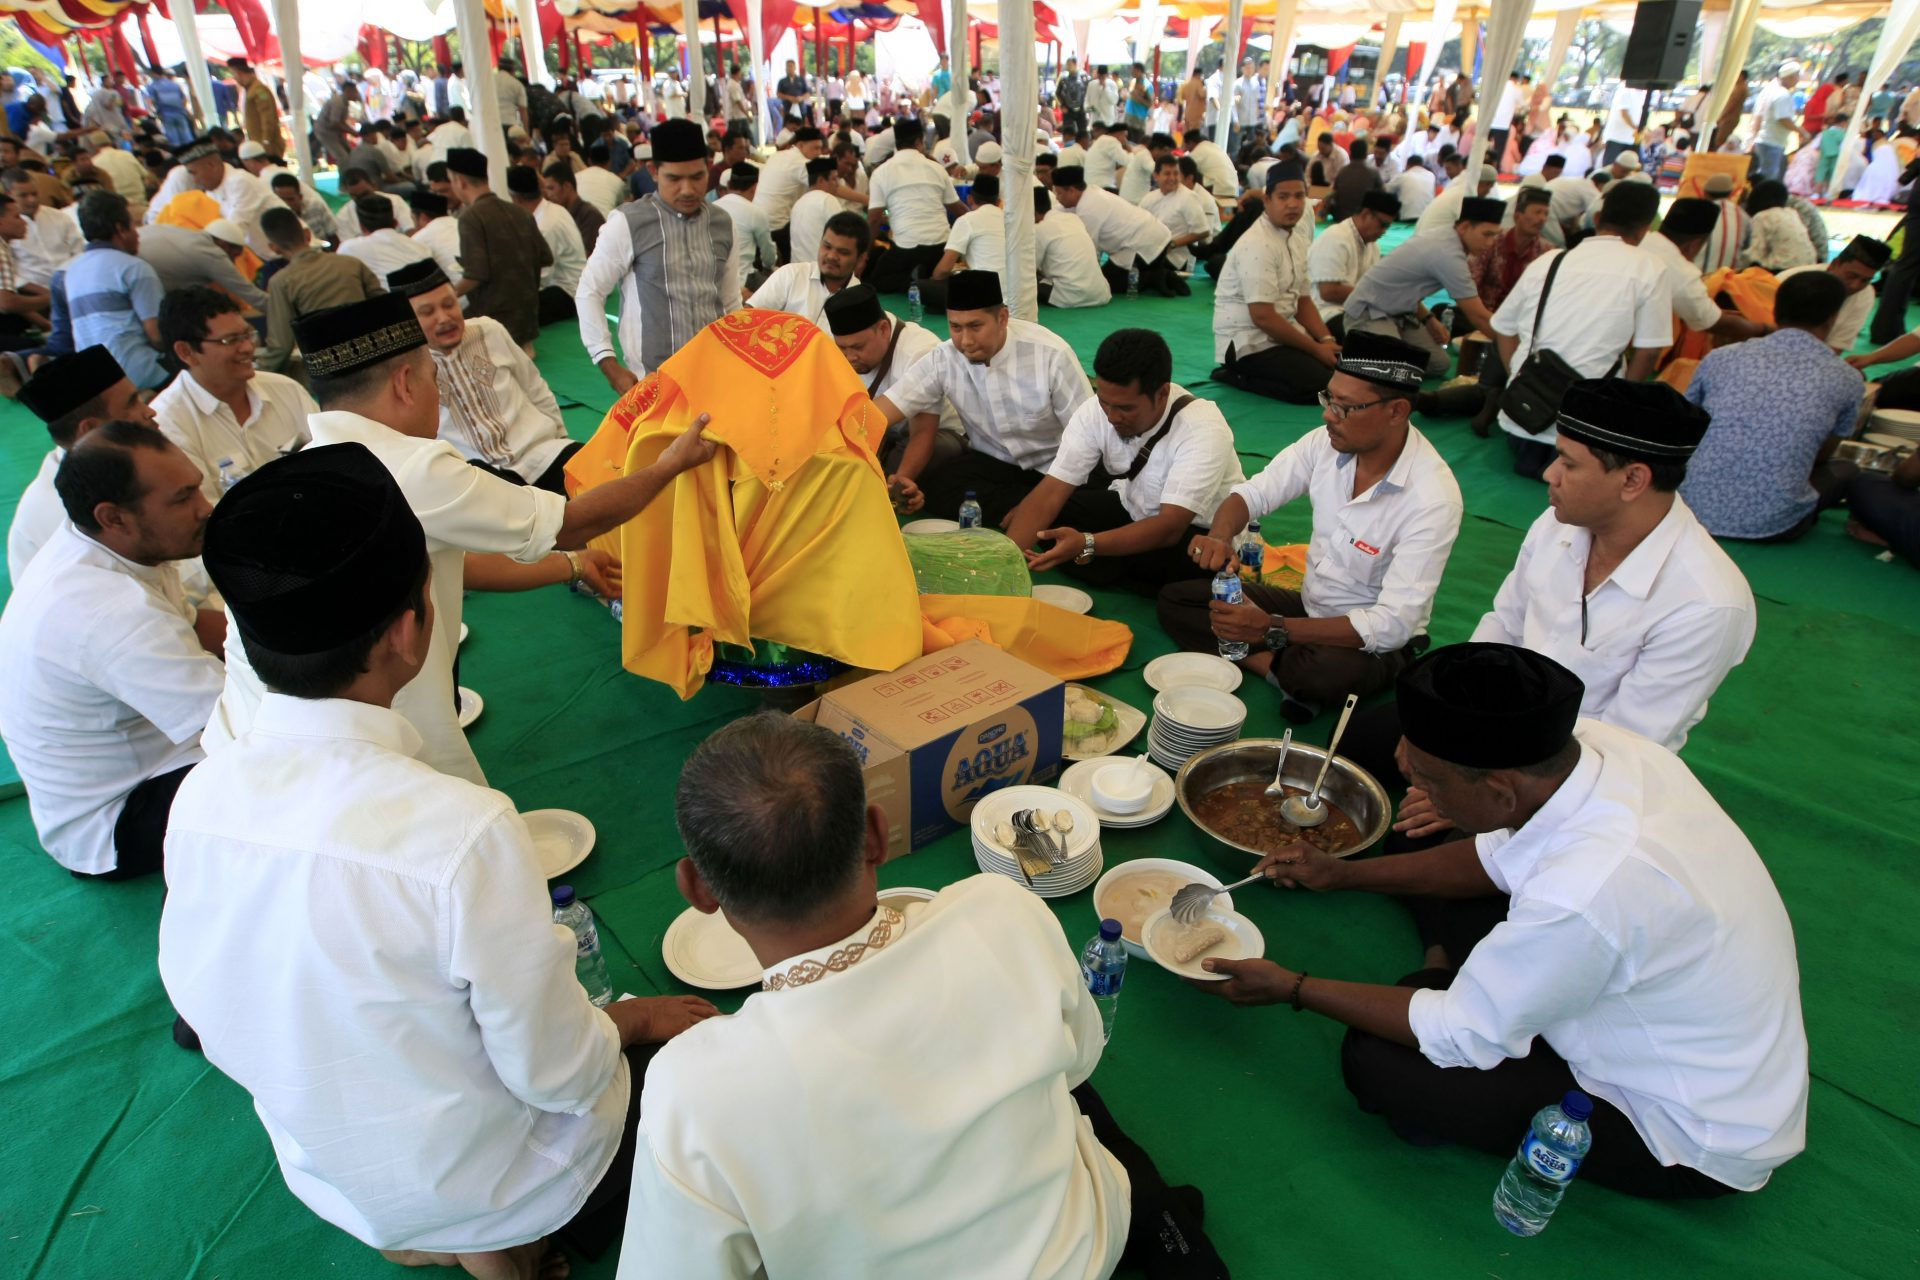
column 287, row 438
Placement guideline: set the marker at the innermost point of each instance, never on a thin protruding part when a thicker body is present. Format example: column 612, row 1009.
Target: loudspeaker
column 1656, row 56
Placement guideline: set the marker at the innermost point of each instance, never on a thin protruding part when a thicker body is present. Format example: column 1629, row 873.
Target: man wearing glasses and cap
column 1640, row 951
column 1386, row 511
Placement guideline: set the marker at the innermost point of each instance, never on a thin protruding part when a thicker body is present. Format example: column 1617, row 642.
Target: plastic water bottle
column 1531, row 1188
column 915, row 311
column 588, row 964
column 970, row 517
column 1133, row 281
column 1226, row 589
column 1103, row 963
column 1252, row 552
column 229, row 475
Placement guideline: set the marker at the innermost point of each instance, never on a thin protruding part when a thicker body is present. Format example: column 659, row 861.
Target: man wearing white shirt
column 803, row 288
column 826, row 196
column 1444, row 212
column 1137, row 179
column 1856, row 266
column 1622, row 130
column 754, row 254
column 1413, row 188
column 881, row 348
column 1267, row 332
column 1138, row 467
column 380, row 243
column 436, row 231
column 52, row 240
column 1106, row 157
column 977, row 241
column 1610, row 311
column 1103, row 99
column 356, row 186
column 561, row 279
column 1341, row 258
column 1021, row 1171
column 1015, row 386
column 599, row 185
column 1065, row 256
column 783, row 180
column 1683, row 232
column 1134, row 241
column 1500, row 124
column 241, row 196
column 1609, row 931
column 450, row 133
column 913, row 196
column 1573, row 201
column 107, row 671
column 1189, row 216
column 1386, row 511
column 221, row 409
column 487, row 1104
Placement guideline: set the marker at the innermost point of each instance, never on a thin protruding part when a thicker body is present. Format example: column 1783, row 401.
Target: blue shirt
column 167, row 97
column 110, row 296
column 1773, row 401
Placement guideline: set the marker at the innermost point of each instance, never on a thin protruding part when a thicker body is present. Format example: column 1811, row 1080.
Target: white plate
column 703, row 951
column 901, row 898
column 930, row 526
column 1045, row 887
column 1888, row 441
column 1243, row 943
column 562, row 839
column 1132, row 721
column 1078, row 783
column 1072, row 599
column 1193, row 874
column 1175, row 669
column 996, row 807
column 1196, row 711
column 471, row 705
column 463, row 633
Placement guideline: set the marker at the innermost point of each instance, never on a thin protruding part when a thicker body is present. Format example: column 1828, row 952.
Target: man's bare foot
column 13, row 373
column 1437, row 957
column 1861, row 533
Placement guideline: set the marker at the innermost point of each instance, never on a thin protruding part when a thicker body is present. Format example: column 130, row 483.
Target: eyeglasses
column 231, row 340
column 1340, row 411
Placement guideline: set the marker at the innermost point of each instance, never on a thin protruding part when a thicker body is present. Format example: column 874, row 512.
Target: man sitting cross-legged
column 363, row 942
column 758, row 1154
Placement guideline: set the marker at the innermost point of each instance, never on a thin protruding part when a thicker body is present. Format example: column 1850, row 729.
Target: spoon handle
column 1339, row 730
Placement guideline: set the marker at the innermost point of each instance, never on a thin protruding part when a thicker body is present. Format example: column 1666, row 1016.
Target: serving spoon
column 1307, row 811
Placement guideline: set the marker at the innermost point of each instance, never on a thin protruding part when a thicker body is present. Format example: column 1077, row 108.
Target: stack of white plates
column 1084, row 858
column 1078, row 783
column 1188, row 719
column 1904, row 423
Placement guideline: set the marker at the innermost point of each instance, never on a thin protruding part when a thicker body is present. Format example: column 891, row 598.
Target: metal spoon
column 1189, row 906
column 1308, row 811
column 1277, row 787
column 1063, row 827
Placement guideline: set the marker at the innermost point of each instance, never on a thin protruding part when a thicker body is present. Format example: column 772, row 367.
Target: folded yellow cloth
column 1069, row 645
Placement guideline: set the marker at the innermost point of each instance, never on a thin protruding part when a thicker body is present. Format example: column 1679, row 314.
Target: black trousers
column 1280, row 373
column 892, row 270
column 603, row 1218
column 998, row 486
column 1884, row 508
column 553, row 479
column 1094, row 508
column 556, row 304
column 1316, row 674
column 1531, row 458
column 1896, row 287
column 1491, row 1110
column 1164, row 1237
column 140, row 832
column 1158, row 276
column 783, row 244
column 1496, row 145
column 1899, row 390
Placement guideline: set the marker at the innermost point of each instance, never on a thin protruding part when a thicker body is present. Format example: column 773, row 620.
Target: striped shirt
column 1015, row 406
column 494, row 405
column 675, row 275
column 111, row 295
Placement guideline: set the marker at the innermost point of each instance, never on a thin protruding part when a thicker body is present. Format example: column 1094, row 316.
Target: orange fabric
column 1069, row 645
column 1702, row 165
column 786, row 535
column 1751, row 292
column 196, row 210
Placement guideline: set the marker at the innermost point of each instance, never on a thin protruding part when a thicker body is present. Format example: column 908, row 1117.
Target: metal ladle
column 1307, row 811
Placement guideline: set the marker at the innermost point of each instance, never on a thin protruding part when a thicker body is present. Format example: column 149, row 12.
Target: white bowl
column 1120, row 788
column 1243, row 943
column 1188, row 873
column 931, row 524
column 1200, row 711
column 562, row 839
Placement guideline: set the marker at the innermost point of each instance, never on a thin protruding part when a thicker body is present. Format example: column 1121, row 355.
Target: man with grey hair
column 1019, row 1170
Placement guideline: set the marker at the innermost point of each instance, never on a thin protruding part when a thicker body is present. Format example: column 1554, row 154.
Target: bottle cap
column 1110, row 930
column 970, row 495
column 1577, row 1105
column 563, row 895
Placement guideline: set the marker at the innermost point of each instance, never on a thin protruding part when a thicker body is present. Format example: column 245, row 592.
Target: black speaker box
column 1656, row 56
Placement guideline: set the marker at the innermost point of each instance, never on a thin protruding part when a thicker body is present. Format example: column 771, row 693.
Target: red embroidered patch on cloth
column 770, row 341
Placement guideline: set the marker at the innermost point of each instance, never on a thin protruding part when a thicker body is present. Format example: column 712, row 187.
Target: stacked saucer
column 1084, row 860
column 1188, row 719
column 1078, row 783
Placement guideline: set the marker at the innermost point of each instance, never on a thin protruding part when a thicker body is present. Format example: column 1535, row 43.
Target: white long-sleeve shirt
column 938, row 1136
column 1375, row 558
column 364, row 944
column 1652, row 642
column 1014, row 406
column 687, row 259
column 1647, row 945
column 494, row 405
column 562, row 235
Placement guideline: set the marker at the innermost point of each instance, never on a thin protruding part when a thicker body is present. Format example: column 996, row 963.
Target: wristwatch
column 1277, row 633
column 1086, row 549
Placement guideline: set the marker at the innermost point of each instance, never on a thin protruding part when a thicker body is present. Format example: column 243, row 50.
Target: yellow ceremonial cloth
column 1069, row 645
column 196, row 210
column 1751, row 292
column 786, row 535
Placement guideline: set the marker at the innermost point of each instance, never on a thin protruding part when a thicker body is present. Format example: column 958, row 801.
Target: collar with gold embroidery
column 887, row 925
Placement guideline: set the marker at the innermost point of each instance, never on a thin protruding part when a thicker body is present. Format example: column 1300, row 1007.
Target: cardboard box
column 946, row 729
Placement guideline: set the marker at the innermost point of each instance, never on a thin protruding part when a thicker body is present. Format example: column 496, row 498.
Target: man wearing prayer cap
column 1776, row 124
column 1014, row 385
column 1855, row 266
column 881, row 347
column 1729, row 237
column 1134, row 240
column 1682, row 235
column 668, row 255
column 375, row 382
column 488, row 1097
column 1446, row 208
column 1390, row 300
column 1626, row 167
column 1607, row 929
column 1267, row 333
column 107, row 671
column 72, row 395
column 1386, row 510
column 1343, row 254
column 241, row 196
column 502, row 252
column 436, row 231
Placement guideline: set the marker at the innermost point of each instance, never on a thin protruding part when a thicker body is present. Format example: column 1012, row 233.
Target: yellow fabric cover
column 196, row 211
column 1751, row 292
column 786, row 535
column 1069, row 645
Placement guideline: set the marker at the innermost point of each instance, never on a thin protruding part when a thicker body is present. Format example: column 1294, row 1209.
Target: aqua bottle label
column 1554, row 1166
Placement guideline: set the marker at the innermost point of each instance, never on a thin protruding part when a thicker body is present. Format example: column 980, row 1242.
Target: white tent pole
column 1896, row 38
column 762, row 74
column 1019, row 100
column 696, row 77
column 1565, row 24
column 533, row 42
column 1229, row 74
column 483, row 107
column 286, row 21
column 1389, row 48
column 1733, row 56
column 959, row 55
column 184, row 23
column 1286, row 22
column 1439, row 21
column 1506, row 32
column 1713, row 34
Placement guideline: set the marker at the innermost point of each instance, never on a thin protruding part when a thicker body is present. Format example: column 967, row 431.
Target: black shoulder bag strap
column 881, row 370
column 1146, row 450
